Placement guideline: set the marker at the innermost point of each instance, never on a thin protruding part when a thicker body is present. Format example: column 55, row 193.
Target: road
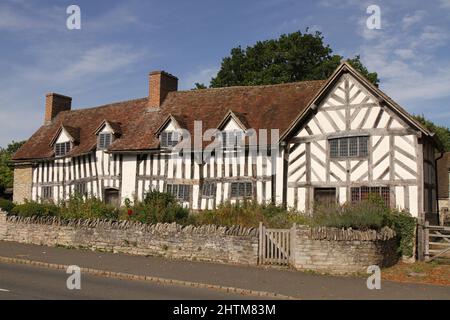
column 19, row 282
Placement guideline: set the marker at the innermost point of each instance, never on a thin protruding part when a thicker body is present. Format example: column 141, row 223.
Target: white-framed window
column 104, row 140
column 209, row 189
column 179, row 191
column 241, row 190
column 169, row 139
column 349, row 147
column 61, row 149
column 232, row 138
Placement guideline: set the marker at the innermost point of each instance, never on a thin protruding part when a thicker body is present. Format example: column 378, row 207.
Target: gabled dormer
column 64, row 140
column 233, row 129
column 169, row 132
column 106, row 133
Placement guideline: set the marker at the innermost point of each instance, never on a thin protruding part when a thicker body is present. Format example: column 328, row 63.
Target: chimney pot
column 160, row 84
column 54, row 104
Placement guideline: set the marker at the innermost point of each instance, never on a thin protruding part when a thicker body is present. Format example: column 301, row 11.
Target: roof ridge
column 112, row 104
column 252, row 86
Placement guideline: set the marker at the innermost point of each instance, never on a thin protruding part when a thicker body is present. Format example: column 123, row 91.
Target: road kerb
column 133, row 277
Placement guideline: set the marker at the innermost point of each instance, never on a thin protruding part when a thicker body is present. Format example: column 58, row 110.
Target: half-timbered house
column 291, row 144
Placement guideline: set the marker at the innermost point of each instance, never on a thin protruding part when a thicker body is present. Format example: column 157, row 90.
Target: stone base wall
column 23, row 177
column 205, row 243
column 342, row 251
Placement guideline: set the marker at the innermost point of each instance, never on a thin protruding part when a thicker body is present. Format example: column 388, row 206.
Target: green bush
column 157, row 207
column 6, row 205
column 404, row 225
column 78, row 207
column 365, row 215
column 32, row 208
column 249, row 214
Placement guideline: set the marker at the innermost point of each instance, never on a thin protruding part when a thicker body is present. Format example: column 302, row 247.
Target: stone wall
column 205, row 243
column 342, row 251
column 22, row 183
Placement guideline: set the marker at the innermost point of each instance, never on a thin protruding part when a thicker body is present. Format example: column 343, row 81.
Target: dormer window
column 61, row 149
column 169, row 139
column 231, row 138
column 104, row 140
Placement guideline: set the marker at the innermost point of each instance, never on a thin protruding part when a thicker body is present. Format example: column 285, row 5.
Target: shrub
column 78, row 207
column 404, row 225
column 32, row 208
column 157, row 207
column 362, row 216
column 6, row 205
column 249, row 214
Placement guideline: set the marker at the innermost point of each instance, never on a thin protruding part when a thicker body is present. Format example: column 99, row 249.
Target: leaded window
column 209, row 189
column 359, row 194
column 179, row 191
column 349, row 147
column 241, row 190
column 104, row 140
column 169, row 139
column 61, row 149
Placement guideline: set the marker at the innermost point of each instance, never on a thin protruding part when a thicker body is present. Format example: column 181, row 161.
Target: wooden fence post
column 427, row 240
column 261, row 239
column 292, row 245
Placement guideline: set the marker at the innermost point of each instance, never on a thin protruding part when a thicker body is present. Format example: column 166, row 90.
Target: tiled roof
column 259, row 107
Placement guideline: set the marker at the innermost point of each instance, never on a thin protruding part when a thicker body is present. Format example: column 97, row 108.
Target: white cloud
column 445, row 3
column 202, row 75
column 412, row 19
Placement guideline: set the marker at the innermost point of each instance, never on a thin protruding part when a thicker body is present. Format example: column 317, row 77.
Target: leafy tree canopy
column 443, row 133
column 293, row 57
column 6, row 172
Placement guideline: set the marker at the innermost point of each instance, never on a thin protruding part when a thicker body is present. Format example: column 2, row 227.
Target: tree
column 199, row 86
column 294, row 57
column 443, row 133
column 6, row 172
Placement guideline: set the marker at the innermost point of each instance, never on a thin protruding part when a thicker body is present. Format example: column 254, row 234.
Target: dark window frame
column 351, row 147
column 241, row 190
column 80, row 188
column 181, row 192
column 209, row 189
column 361, row 193
column 47, row 193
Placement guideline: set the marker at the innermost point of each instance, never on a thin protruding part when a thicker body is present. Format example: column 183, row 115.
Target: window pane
column 353, row 148
column 234, row 189
column 356, row 196
column 334, row 148
column 343, row 147
column 248, row 189
column 363, row 146
column 241, row 190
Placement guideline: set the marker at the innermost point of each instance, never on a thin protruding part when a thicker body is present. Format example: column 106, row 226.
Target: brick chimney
column 160, row 84
column 54, row 104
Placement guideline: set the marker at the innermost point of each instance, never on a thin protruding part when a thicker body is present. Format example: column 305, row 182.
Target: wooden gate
column 274, row 246
column 437, row 242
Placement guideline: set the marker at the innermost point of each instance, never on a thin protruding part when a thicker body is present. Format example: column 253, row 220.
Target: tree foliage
column 443, row 133
column 293, row 57
column 6, row 172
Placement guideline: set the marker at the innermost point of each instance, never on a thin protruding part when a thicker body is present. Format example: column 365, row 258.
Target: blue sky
column 121, row 41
